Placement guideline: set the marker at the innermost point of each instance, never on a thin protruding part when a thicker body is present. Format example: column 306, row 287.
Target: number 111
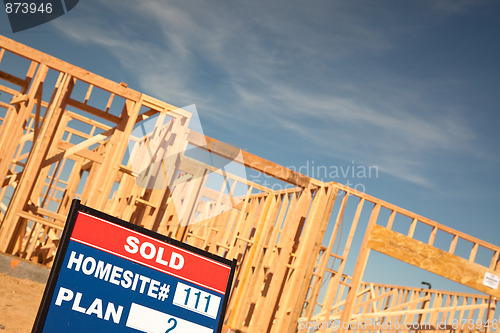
column 197, row 294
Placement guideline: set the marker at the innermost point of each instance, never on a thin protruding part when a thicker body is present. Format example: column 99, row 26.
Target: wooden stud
column 359, row 270
column 412, row 228
column 40, row 148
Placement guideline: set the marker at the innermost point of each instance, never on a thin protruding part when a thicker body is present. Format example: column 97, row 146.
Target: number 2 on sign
column 174, row 324
column 197, row 294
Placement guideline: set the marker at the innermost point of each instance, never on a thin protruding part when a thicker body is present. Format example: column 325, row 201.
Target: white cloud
column 402, row 144
column 260, row 55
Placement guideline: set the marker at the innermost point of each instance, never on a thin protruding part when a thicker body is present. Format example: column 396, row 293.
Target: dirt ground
column 19, row 302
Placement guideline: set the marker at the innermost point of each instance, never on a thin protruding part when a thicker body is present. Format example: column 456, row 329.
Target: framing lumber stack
column 67, row 133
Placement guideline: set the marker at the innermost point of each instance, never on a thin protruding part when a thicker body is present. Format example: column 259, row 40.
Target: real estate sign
column 113, row 276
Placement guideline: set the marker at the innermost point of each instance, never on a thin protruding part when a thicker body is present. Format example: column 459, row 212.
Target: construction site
column 68, row 133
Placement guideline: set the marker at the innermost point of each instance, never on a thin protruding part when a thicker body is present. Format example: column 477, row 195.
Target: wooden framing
column 59, row 141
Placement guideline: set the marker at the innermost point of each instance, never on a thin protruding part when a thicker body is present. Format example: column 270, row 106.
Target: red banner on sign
column 148, row 251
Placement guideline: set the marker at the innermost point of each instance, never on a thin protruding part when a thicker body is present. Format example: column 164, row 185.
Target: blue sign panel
column 110, row 276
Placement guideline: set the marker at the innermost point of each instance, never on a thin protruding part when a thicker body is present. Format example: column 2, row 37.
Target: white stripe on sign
column 149, row 320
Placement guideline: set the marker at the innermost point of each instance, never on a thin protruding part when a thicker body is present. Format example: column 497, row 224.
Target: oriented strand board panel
column 432, row 259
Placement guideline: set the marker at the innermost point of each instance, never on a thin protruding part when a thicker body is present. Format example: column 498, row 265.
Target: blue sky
column 410, row 87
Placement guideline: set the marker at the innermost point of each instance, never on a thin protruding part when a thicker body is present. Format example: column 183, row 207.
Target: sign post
column 113, row 276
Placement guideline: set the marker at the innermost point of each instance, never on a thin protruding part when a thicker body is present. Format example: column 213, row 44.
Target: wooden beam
column 66, row 146
column 251, row 161
column 432, row 259
column 95, row 111
column 62, row 66
column 12, row 79
column 420, row 218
